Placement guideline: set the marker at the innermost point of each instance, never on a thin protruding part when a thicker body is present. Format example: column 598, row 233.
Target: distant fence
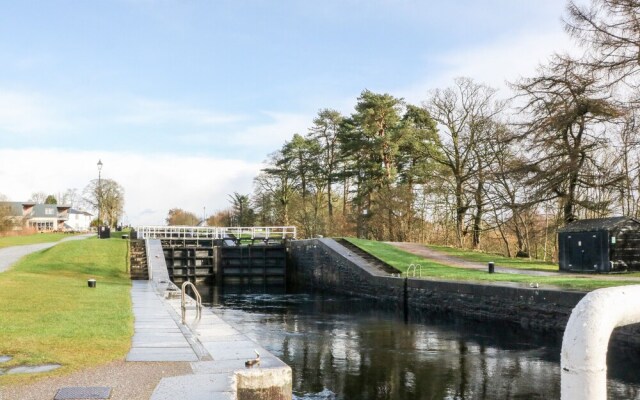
column 206, row 232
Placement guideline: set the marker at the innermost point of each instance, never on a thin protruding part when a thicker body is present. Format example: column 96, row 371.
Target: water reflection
column 348, row 348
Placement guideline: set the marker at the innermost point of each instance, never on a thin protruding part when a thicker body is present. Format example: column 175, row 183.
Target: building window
column 49, row 211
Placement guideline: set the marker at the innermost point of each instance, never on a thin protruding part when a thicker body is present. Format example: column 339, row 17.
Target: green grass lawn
column 484, row 258
column 49, row 315
column 432, row 270
column 31, row 239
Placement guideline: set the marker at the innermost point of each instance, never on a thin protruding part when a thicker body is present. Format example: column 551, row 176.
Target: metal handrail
column 183, row 303
column 199, row 232
column 411, row 267
column 417, row 270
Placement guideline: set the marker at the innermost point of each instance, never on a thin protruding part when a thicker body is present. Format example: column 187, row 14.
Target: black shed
column 600, row 245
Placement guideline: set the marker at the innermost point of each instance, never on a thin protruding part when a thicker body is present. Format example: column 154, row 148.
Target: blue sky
column 158, row 89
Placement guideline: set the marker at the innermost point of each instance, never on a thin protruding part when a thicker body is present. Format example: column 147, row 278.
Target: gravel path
column 129, row 381
column 11, row 255
column 423, row 251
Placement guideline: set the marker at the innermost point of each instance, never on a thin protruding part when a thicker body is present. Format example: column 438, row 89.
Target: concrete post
column 583, row 360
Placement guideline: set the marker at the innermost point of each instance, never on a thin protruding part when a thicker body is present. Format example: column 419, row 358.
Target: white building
column 78, row 220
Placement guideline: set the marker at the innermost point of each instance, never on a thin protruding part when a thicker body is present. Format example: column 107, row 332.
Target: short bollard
column 491, row 267
column 91, row 283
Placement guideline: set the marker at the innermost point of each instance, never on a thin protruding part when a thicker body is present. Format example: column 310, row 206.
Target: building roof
column 15, row 208
column 74, row 211
column 38, row 211
column 599, row 224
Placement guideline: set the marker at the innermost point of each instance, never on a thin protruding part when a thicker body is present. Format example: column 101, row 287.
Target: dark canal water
column 350, row 348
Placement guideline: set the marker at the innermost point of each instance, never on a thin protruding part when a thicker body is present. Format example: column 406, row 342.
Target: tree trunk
column 461, row 210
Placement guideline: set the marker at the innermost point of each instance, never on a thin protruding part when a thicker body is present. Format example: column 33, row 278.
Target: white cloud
column 494, row 64
column 153, row 183
column 29, row 114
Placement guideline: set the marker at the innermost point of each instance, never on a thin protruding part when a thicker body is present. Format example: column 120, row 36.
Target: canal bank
column 218, row 353
column 326, row 265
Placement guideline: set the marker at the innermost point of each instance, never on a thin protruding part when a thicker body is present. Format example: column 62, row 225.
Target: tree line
column 468, row 168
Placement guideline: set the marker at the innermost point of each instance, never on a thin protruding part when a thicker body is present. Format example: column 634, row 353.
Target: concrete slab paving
column 196, row 387
column 233, row 350
column 159, row 356
column 226, row 366
column 157, row 335
column 218, row 351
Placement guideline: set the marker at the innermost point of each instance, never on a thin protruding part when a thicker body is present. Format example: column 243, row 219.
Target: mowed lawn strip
column 50, row 315
column 401, row 260
column 31, row 239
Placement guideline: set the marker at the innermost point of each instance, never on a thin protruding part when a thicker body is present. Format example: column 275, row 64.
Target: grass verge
column 432, row 270
column 31, row 239
column 49, row 315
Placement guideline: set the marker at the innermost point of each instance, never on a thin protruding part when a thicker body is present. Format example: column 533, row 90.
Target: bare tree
column 178, row 216
column 566, row 113
column 611, row 30
column 278, row 181
column 70, row 198
column 107, row 198
column 6, row 220
column 627, row 154
column 38, row 197
column 462, row 113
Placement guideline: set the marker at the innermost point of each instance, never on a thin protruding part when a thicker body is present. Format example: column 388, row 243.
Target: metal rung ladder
column 183, row 303
column 416, row 269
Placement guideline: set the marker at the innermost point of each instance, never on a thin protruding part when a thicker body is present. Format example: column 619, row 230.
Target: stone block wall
column 325, row 265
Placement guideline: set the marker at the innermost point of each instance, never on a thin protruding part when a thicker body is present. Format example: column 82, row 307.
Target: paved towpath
column 216, row 351
column 11, row 255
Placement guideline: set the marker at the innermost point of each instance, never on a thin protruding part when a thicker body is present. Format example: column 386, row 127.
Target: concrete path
column 157, row 335
column 217, row 350
column 11, row 255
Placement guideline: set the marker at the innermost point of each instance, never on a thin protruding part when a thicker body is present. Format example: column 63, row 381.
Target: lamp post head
column 99, row 165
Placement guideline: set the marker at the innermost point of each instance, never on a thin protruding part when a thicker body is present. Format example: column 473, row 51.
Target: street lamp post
column 99, row 192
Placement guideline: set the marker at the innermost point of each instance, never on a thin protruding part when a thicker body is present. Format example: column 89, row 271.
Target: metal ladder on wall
column 183, row 303
column 416, row 269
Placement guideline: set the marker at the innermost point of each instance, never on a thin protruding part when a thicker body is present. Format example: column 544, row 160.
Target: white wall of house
column 79, row 220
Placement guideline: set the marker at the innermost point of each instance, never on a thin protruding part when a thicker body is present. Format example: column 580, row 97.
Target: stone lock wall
column 324, row 264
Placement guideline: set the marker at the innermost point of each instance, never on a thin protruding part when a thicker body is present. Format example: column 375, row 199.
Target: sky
column 184, row 100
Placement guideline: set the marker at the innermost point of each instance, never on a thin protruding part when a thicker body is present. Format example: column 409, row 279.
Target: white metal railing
column 183, row 302
column 414, row 270
column 583, row 361
column 210, row 232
